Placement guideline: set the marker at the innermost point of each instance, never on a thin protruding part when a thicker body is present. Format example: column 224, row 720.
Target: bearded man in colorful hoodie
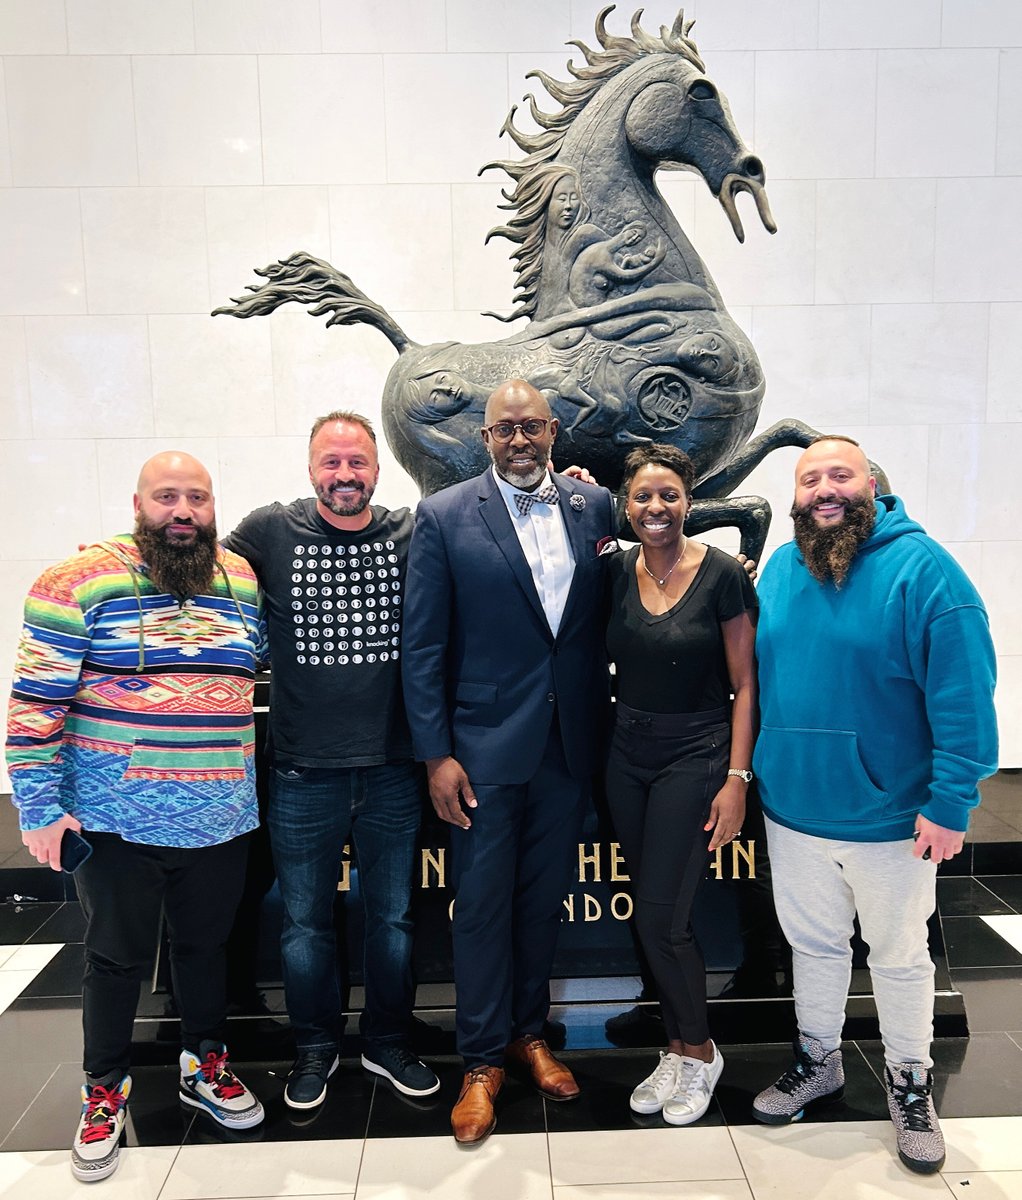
column 876, row 677
column 130, row 726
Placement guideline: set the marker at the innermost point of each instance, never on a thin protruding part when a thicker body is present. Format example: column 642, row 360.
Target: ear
column 873, row 485
column 136, row 504
column 554, row 426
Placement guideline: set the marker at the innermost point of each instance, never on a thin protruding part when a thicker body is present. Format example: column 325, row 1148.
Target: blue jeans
column 312, row 813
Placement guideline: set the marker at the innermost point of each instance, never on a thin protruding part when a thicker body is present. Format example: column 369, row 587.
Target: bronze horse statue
column 627, row 335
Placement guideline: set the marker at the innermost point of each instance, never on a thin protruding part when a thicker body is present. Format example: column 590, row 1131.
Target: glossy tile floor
column 367, row 1141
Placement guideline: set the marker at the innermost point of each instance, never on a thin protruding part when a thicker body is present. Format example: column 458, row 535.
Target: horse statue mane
column 626, row 334
column 536, row 174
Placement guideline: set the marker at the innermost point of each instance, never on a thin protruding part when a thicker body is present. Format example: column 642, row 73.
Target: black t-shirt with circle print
column 333, row 602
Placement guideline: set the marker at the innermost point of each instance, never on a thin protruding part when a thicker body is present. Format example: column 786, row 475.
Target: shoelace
column 664, row 1070
column 219, row 1076
column 914, row 1106
column 101, row 1109
column 801, row 1070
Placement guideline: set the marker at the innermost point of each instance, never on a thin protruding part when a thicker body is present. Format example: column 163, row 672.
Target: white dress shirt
column 544, row 540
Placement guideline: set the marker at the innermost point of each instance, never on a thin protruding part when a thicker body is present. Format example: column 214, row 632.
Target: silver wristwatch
column 746, row 775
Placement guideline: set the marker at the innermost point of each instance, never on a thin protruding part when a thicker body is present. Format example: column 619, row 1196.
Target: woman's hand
column 727, row 812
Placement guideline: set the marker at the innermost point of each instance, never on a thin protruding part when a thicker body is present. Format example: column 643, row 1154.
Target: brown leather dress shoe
column 472, row 1118
column 552, row 1078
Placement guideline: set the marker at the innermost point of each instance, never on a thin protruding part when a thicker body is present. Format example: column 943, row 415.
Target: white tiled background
column 152, row 152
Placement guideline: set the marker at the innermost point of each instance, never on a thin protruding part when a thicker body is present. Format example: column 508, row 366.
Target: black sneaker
column 394, row 1061
column 306, row 1084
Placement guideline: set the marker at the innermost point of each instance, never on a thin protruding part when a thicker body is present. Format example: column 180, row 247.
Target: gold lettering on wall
column 438, row 862
column 592, row 860
column 593, row 909
column 344, row 883
column 621, row 906
column 617, row 862
column 746, row 853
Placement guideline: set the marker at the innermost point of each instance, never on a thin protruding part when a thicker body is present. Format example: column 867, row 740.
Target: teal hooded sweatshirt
column 876, row 699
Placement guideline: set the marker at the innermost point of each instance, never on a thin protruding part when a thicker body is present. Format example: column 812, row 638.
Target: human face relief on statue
column 522, row 461
column 344, row 470
column 564, row 203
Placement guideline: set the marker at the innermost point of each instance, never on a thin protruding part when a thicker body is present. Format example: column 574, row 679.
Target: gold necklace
column 661, row 582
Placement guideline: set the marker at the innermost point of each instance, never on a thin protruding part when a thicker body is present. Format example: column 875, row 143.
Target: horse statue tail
column 303, row 279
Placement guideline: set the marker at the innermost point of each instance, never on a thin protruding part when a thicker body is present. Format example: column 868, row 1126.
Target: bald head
column 514, row 392
column 175, row 493
column 519, row 433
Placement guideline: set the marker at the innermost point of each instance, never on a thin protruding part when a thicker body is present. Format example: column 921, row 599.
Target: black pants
column 121, row 888
column 511, row 873
column 663, row 773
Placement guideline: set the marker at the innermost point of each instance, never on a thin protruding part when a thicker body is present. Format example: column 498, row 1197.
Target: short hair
column 659, row 454
column 347, row 417
column 833, row 437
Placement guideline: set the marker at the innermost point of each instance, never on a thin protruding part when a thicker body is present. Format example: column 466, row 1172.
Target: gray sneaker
column 815, row 1077
column 909, row 1097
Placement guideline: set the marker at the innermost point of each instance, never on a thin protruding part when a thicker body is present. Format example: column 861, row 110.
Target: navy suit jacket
column 482, row 672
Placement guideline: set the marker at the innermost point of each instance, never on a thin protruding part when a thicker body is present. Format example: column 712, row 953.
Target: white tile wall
column 154, row 152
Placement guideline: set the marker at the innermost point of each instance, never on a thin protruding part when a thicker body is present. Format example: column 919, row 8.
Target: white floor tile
column 706, row 1189
column 34, row 957
column 983, row 1143
column 292, row 1169
column 986, row 1185
column 12, row 984
column 509, row 1167
column 1009, row 928
column 842, row 1161
column 6, row 952
column 46, row 1175
column 643, row 1156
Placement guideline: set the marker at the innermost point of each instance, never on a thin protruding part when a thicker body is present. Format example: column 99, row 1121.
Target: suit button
column 550, row 697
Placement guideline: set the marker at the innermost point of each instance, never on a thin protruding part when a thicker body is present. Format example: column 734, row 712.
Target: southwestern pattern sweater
column 132, row 711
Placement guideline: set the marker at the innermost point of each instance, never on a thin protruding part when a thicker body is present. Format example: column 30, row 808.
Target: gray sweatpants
column 819, row 885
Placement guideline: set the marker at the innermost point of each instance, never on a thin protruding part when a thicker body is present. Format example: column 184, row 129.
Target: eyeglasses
column 504, row 431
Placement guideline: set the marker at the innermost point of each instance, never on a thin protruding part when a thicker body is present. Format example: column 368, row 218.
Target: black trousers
column 511, row 873
column 662, row 775
column 121, row 888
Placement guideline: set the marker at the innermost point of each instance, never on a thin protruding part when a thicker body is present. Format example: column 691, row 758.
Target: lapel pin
column 577, row 502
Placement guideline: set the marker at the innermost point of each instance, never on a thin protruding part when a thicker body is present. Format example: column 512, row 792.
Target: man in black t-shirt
column 332, row 569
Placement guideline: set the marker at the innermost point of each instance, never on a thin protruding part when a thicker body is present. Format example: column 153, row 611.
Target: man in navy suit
column 505, row 684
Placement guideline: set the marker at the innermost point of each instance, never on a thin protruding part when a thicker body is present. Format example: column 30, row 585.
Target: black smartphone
column 74, row 850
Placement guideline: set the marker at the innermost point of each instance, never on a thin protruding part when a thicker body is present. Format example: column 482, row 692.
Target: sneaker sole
column 769, row 1118
column 376, row 1069
column 243, row 1120
column 922, row 1166
column 305, row 1105
column 94, row 1172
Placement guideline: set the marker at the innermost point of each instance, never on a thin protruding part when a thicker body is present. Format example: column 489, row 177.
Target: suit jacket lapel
column 494, row 513
column 576, row 525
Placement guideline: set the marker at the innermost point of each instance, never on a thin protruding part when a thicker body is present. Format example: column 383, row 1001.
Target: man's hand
column 450, row 791
column 580, row 473
column 44, row 844
column 942, row 843
column 750, row 565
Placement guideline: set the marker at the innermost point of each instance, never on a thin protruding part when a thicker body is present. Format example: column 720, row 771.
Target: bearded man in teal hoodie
column 876, row 678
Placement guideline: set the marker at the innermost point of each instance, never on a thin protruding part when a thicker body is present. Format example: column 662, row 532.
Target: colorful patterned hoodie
column 131, row 711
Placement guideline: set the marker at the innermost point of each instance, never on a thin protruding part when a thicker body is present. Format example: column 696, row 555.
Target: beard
column 829, row 550
column 345, row 508
column 527, row 479
column 181, row 568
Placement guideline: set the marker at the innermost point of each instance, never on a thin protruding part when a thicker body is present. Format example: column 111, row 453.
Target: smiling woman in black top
column 681, row 635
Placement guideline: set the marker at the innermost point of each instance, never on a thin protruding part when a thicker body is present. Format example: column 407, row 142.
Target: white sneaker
column 694, row 1091
column 98, row 1136
column 650, row 1095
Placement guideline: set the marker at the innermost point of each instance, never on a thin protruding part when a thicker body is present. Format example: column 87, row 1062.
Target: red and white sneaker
column 209, row 1084
column 98, row 1136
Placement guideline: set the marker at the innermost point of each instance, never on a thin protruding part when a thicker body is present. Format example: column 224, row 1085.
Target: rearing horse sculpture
column 627, row 335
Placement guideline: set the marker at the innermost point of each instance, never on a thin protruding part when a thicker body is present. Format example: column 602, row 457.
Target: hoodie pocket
column 154, row 761
column 816, row 777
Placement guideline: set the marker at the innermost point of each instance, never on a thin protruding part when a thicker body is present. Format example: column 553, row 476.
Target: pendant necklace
column 661, row 582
